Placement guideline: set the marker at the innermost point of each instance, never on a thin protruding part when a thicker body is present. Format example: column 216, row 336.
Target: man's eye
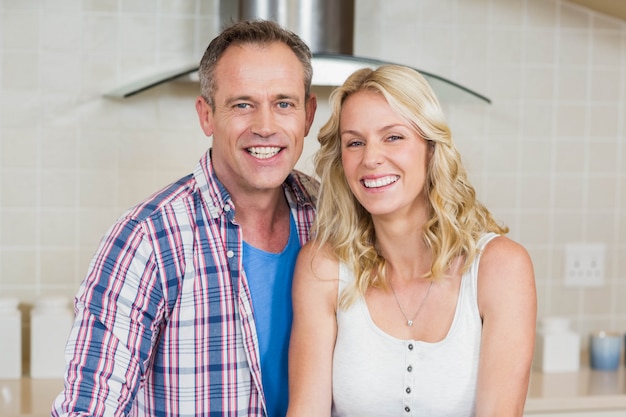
column 284, row 104
column 242, row 105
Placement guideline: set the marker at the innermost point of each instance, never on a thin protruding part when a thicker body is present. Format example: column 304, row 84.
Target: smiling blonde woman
column 410, row 300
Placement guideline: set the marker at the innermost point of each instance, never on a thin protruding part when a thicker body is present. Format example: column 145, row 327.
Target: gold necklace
column 409, row 322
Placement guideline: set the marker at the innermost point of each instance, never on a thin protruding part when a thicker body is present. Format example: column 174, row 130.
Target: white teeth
column 263, row 152
column 380, row 182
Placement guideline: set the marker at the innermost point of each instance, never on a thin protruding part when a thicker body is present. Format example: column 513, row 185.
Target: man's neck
column 264, row 221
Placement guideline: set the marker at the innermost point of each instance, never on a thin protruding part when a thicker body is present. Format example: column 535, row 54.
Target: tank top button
column 410, row 346
column 407, row 409
column 409, row 368
column 408, row 390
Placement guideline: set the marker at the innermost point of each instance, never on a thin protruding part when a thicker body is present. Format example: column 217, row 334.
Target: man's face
column 260, row 116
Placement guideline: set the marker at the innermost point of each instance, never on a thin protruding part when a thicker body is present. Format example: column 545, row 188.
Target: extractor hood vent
column 327, row 26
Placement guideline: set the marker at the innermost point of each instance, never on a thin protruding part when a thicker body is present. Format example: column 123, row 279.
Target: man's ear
column 205, row 115
column 311, row 107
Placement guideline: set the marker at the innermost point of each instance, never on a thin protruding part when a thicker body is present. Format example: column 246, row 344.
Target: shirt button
column 230, row 253
column 408, row 390
column 409, row 368
column 410, row 346
column 407, row 409
column 226, row 207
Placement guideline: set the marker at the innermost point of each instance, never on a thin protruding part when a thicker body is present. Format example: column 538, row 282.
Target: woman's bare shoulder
column 505, row 274
column 504, row 254
column 317, row 261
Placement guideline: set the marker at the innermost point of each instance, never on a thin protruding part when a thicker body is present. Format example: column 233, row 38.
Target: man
column 186, row 308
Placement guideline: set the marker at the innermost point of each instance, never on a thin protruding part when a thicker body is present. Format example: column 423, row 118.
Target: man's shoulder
column 304, row 185
column 161, row 200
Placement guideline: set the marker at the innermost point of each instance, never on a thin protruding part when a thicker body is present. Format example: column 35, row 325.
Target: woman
column 409, row 301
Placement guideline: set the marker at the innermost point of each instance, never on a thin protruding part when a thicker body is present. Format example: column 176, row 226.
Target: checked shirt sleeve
column 119, row 309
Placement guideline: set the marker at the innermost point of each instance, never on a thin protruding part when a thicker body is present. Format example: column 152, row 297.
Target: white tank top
column 377, row 375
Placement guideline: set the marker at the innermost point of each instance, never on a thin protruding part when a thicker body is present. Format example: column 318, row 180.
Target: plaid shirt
column 164, row 322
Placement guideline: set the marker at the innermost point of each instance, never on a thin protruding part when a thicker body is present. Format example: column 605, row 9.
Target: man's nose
column 264, row 122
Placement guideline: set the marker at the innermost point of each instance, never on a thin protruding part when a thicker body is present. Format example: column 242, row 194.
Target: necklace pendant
column 410, row 323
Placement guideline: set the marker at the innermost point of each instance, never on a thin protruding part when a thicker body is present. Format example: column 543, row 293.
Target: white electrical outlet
column 584, row 264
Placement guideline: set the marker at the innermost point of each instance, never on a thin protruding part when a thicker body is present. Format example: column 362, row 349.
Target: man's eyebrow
column 292, row 97
column 235, row 99
column 281, row 96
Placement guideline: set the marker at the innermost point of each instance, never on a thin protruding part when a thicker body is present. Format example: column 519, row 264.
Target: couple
column 187, row 306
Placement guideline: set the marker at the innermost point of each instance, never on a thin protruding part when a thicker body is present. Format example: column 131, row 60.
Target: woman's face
column 385, row 159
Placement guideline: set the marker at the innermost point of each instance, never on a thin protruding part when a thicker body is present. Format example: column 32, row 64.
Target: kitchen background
column 548, row 156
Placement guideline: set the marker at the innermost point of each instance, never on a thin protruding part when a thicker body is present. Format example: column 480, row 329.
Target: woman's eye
column 393, row 138
column 353, row 143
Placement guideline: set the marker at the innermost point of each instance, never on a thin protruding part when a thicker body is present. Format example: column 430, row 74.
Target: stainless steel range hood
column 327, row 26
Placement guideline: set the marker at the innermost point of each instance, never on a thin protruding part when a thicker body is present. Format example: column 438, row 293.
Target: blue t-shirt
column 269, row 278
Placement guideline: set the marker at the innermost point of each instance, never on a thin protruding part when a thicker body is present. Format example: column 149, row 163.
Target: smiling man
column 186, row 307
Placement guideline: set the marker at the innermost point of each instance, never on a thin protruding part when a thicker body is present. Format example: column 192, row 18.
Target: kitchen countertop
column 585, row 390
column 28, row 397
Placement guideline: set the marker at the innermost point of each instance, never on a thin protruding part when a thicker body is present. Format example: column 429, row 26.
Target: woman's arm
column 313, row 333
column 508, row 304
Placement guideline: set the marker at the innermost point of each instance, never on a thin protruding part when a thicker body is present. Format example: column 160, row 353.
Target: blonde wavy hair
column 456, row 218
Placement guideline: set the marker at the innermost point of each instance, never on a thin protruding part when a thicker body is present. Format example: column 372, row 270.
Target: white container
column 51, row 322
column 11, row 345
column 557, row 348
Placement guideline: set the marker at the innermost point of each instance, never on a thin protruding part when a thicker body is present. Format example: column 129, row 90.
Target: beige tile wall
column 548, row 156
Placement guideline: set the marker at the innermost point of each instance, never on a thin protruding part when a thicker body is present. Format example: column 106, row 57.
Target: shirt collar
column 300, row 189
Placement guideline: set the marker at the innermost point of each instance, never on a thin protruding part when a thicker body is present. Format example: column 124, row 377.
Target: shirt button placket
column 409, row 377
column 232, row 240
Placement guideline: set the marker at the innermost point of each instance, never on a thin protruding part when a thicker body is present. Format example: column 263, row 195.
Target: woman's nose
column 373, row 156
